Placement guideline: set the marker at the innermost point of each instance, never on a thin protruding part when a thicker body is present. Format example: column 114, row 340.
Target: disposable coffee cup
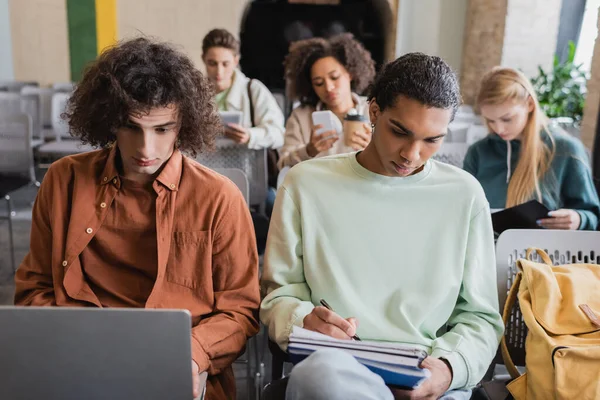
column 353, row 122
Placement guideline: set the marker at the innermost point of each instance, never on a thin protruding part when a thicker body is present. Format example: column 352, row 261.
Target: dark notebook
column 523, row 216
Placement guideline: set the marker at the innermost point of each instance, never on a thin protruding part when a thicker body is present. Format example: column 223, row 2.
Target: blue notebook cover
column 402, row 380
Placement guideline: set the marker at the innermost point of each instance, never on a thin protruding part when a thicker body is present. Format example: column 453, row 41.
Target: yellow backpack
column 561, row 308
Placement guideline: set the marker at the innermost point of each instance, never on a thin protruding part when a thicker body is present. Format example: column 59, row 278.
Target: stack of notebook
column 397, row 364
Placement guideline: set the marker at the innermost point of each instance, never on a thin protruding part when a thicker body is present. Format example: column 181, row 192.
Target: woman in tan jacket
column 325, row 74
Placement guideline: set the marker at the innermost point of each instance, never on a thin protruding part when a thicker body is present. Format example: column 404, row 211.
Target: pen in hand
column 327, row 306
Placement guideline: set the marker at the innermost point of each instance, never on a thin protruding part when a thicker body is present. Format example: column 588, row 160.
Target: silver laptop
column 54, row 353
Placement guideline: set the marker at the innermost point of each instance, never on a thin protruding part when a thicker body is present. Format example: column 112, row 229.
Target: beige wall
column 519, row 34
column 484, row 38
column 592, row 101
column 434, row 27
column 183, row 22
column 530, row 34
column 390, row 49
column 39, row 40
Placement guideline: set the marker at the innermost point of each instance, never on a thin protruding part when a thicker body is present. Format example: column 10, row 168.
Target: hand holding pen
column 324, row 320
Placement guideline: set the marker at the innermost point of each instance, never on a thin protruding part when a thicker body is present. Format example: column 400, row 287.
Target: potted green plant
column 561, row 92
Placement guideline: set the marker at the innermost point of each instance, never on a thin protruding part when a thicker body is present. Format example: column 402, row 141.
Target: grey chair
column 45, row 96
column 16, row 164
column 452, row 153
column 255, row 377
column 238, row 177
column 252, row 162
column 58, row 106
column 563, row 247
column 15, row 86
column 67, row 87
column 17, row 103
column 63, row 144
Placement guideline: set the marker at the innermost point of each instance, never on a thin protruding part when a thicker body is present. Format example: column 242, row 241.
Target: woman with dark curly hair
column 137, row 223
column 325, row 74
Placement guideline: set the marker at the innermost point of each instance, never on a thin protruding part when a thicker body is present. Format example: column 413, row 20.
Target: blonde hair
column 505, row 84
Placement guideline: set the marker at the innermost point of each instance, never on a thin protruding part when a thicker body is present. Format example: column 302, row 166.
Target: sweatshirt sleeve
column 578, row 191
column 294, row 145
column 268, row 129
column 475, row 327
column 287, row 295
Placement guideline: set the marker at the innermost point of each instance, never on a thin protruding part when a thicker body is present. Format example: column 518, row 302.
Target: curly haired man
column 137, row 223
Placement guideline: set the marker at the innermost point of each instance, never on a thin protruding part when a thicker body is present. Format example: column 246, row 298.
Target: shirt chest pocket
column 190, row 259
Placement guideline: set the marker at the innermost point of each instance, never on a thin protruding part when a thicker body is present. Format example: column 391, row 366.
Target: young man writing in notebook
column 399, row 245
column 137, row 223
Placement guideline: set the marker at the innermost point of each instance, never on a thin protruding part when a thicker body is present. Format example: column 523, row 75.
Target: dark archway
column 269, row 26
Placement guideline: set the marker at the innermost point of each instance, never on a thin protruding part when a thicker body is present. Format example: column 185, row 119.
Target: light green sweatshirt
column 411, row 258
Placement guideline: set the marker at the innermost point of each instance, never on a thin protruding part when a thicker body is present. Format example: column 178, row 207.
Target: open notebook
column 397, row 364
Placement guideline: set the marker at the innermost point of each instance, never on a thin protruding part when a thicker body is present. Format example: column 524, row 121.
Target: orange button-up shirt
column 206, row 252
column 118, row 273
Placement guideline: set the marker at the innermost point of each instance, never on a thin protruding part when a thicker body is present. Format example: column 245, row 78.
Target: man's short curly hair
column 427, row 79
column 344, row 48
column 133, row 77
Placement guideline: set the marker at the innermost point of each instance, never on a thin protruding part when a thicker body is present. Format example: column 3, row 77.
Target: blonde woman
column 522, row 159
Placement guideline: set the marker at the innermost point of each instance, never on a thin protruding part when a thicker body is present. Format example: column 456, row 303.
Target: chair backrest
column 63, row 87
column 238, row 177
column 252, row 162
column 457, row 131
column 16, row 103
column 476, row 132
column 563, row 247
column 16, row 154
column 45, row 95
column 10, row 103
column 15, row 86
column 32, row 106
column 452, row 153
column 465, row 109
column 60, row 126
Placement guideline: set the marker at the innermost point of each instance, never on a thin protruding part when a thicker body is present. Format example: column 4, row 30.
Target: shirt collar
column 169, row 177
column 110, row 168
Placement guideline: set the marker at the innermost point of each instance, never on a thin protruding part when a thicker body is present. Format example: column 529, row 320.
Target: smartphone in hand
column 328, row 120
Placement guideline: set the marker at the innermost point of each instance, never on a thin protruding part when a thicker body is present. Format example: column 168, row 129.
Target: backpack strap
column 251, row 103
column 508, row 306
column 543, row 255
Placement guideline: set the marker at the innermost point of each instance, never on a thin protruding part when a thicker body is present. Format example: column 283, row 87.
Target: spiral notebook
column 397, row 364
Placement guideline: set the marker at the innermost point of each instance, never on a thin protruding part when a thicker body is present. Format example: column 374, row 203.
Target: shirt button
column 115, row 181
column 105, row 178
column 64, row 263
column 89, row 230
column 172, row 186
column 103, row 205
